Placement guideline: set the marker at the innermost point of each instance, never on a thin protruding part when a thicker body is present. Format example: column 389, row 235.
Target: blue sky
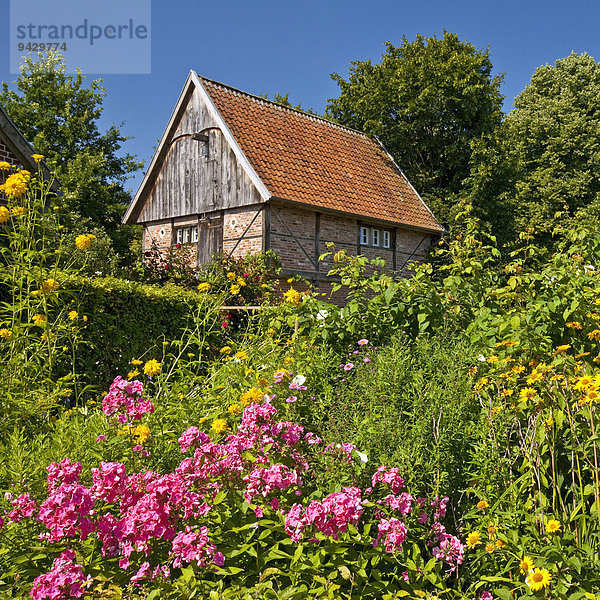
column 269, row 46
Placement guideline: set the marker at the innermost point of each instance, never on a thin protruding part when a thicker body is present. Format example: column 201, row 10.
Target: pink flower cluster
column 194, row 547
column 449, row 549
column 389, row 476
column 331, row 516
column 64, row 580
column 125, row 398
column 393, row 532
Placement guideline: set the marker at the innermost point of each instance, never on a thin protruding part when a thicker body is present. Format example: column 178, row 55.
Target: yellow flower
column 527, row 393
column 288, row 360
column 152, row 368
column 39, row 319
column 49, row 286
column 47, row 336
column 252, row 396
column 37, row 157
column 241, row 355
column 535, row 376
column 72, row 314
column 235, row 409
column 270, row 331
column 165, row 343
column 500, row 543
column 4, row 214
column 473, row 539
column 234, row 289
column 526, row 564
column 16, row 184
column 84, row 241
column 482, row 504
column 135, row 361
column 539, row 579
column 573, row 325
column 133, row 374
column 489, row 548
column 4, row 166
column 263, row 382
column 17, row 211
column 139, row 433
column 241, row 281
column 492, row 359
column 85, row 319
column 552, row 526
column 225, row 350
column 219, row 425
column 5, row 334
column 231, row 276
column 518, row 369
column 204, row 286
column 293, row 297
column 506, row 393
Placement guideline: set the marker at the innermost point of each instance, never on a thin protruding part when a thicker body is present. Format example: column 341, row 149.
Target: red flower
column 224, row 323
column 246, row 275
column 177, row 246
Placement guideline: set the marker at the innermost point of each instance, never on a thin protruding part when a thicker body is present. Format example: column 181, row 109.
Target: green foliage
column 427, row 101
column 541, row 169
column 60, row 116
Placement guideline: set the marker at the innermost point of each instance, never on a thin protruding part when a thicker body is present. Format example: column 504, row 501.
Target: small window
column 386, row 239
column 179, row 236
column 375, row 233
column 186, row 235
column 364, row 236
column 194, row 235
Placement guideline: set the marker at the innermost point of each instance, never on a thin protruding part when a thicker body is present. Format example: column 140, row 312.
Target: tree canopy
column 541, row 170
column 60, row 115
column 427, row 101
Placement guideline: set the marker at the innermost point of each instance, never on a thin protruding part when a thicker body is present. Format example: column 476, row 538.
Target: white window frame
column 375, row 237
column 178, row 235
column 186, row 235
column 386, row 239
column 194, row 235
column 364, row 236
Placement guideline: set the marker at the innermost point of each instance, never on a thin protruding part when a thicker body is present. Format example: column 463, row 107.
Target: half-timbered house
column 237, row 173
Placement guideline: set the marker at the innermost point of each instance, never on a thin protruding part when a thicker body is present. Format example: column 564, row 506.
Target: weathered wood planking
column 194, row 179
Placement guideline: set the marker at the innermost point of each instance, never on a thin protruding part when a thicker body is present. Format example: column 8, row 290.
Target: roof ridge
column 289, row 108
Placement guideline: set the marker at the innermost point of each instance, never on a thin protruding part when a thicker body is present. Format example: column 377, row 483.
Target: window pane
column 186, row 235
column 178, row 235
column 364, row 236
column 375, row 237
column 194, row 235
column 386, row 239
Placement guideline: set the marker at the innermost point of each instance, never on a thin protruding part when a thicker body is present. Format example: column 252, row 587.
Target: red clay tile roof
column 308, row 159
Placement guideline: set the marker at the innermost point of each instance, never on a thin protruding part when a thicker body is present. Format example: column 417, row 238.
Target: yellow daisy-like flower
column 4, row 214
column 139, row 433
column 235, row 409
column 152, row 368
column 18, row 211
column 6, row 334
column 84, row 241
column 552, row 526
column 492, row 359
column 263, row 382
column 16, row 184
column 225, row 350
column 539, row 579
column 49, row 286
column 135, row 361
column 489, row 548
column 500, row 543
column 204, row 286
column 292, row 296
column 482, row 504
column 231, row 276
column 4, row 166
column 219, row 426
column 72, row 314
column 133, row 374
column 234, row 289
column 252, row 396
column 533, row 377
column 241, row 355
column 37, row 157
column 526, row 564
column 518, row 369
column 528, row 393
column 573, row 325
column 473, row 539
column 506, row 393
column 39, row 319
column 241, row 281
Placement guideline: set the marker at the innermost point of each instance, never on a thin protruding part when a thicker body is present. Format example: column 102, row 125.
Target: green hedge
column 128, row 320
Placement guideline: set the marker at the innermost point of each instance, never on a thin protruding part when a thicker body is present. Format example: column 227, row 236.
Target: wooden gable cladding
column 194, row 176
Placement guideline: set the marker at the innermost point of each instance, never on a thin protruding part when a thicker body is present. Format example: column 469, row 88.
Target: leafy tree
column 427, row 101
column 59, row 115
column 542, row 169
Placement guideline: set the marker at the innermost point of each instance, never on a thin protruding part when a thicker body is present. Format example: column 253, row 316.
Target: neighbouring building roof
column 22, row 149
column 310, row 160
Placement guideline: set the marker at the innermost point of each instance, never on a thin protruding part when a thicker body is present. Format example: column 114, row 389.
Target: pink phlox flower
column 64, row 580
column 485, row 596
column 66, row 512
column 110, row 482
column 142, row 573
column 388, row 476
column 24, row 506
column 125, row 397
column 192, row 547
column 311, row 438
column 62, row 472
column 107, row 530
column 423, row 518
column 401, row 503
column 265, row 481
column 439, row 504
column 393, row 532
column 192, row 436
column 451, row 550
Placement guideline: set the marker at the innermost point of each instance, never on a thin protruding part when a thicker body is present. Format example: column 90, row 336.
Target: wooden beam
column 258, row 212
column 276, row 212
column 317, row 241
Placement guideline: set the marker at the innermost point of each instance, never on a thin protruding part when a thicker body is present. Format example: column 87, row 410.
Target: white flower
column 299, row 380
column 322, row 315
column 481, row 358
column 363, row 457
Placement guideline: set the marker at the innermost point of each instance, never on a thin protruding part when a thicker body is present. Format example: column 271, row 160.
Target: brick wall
column 157, row 236
column 292, row 229
column 235, row 222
